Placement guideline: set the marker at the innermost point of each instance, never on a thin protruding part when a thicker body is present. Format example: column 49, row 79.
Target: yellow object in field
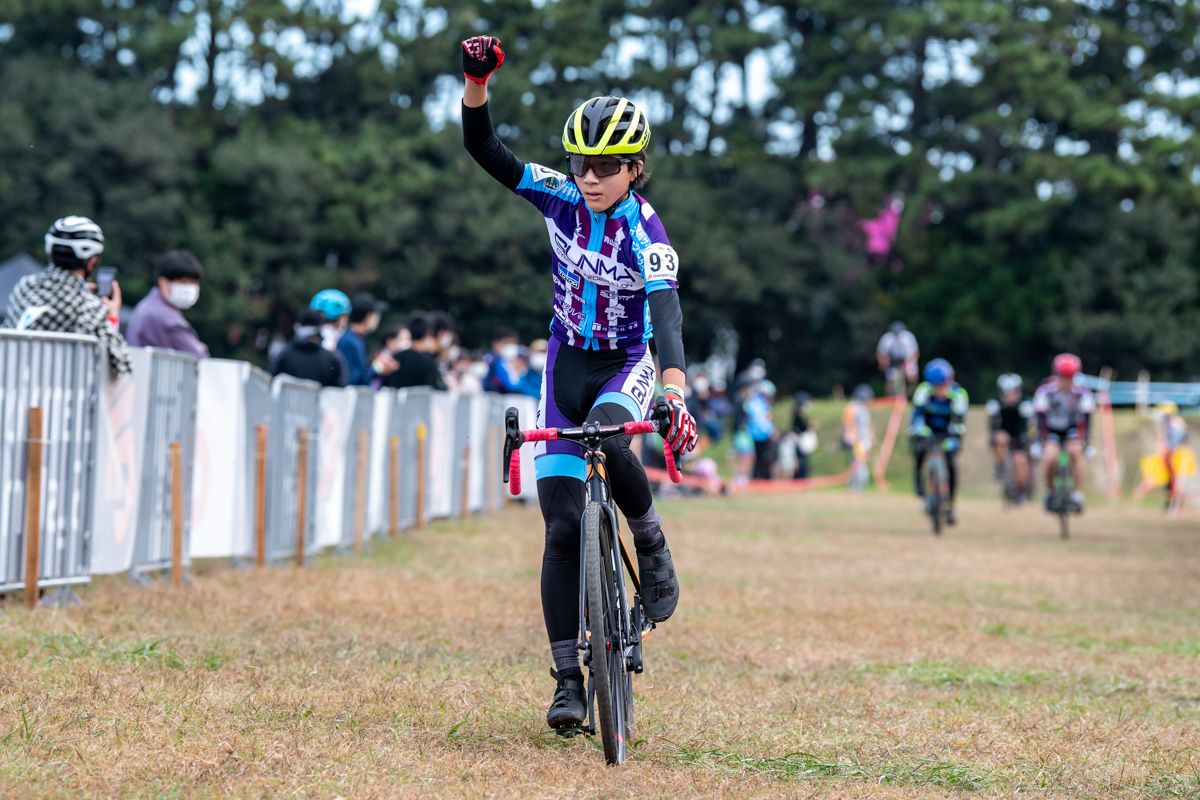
column 1154, row 471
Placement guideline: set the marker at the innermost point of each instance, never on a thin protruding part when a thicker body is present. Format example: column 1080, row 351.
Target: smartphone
column 104, row 281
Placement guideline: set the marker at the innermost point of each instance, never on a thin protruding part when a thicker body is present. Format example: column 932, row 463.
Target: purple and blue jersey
column 604, row 265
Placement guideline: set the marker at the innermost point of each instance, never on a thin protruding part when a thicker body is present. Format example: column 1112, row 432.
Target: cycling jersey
column 1012, row 419
column 1062, row 413
column 898, row 347
column 604, row 264
column 942, row 415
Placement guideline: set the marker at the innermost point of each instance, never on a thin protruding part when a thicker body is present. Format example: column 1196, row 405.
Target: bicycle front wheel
column 933, row 494
column 606, row 643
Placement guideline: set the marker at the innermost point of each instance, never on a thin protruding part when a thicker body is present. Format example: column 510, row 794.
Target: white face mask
column 445, row 340
column 183, row 295
column 479, row 370
column 509, row 351
column 537, row 361
column 700, row 384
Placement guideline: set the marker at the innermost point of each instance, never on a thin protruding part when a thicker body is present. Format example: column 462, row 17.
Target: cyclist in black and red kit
column 615, row 288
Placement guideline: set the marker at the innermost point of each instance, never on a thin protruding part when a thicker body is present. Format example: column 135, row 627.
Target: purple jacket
column 157, row 323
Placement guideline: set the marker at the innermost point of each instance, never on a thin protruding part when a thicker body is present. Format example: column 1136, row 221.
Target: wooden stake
column 422, row 431
column 466, row 482
column 176, row 514
column 260, row 495
column 33, row 507
column 301, row 495
column 394, row 487
column 360, row 493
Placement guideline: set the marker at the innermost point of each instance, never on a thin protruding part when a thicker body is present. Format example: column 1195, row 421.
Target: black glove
column 481, row 57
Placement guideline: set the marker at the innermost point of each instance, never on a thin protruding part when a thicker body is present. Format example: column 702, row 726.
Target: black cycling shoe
column 568, row 709
column 660, row 587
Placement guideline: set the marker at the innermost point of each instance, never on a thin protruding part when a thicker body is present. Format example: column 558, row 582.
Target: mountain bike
column 611, row 626
column 1011, row 490
column 937, row 480
column 1060, row 491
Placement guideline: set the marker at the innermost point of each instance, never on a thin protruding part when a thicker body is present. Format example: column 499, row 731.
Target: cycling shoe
column 660, row 587
column 568, row 709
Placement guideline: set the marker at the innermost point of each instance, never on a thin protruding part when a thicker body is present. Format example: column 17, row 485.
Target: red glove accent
column 682, row 435
column 114, row 321
column 481, row 57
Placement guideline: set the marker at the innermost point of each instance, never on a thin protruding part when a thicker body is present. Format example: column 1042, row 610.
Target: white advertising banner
column 442, row 458
column 337, row 412
column 120, row 447
column 482, row 452
column 222, row 480
column 377, row 469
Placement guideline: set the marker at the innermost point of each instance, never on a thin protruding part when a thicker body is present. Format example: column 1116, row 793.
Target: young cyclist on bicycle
column 1063, row 412
column 939, row 414
column 615, row 274
column 1009, row 414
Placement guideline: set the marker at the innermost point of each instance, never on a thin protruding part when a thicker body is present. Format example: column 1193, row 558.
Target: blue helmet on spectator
column 331, row 303
column 938, row 371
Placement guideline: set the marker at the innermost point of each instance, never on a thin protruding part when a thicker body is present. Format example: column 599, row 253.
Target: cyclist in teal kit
column 615, row 288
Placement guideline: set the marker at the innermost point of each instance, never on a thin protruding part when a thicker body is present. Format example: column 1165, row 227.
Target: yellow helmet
column 1168, row 407
column 606, row 126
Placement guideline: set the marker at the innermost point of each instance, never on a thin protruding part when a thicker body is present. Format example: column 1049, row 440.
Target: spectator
column 364, row 319
column 760, row 424
column 502, row 375
column 158, row 320
column 805, row 431
column 396, row 339
column 467, row 371
column 305, row 357
column 335, row 306
column 441, row 325
column 858, row 435
column 417, row 366
column 702, row 405
column 531, row 365
column 57, row 298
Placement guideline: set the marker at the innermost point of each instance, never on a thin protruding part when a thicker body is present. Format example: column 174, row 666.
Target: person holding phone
column 158, row 320
column 60, row 298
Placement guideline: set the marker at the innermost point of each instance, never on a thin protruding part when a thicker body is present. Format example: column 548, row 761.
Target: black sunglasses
column 603, row 166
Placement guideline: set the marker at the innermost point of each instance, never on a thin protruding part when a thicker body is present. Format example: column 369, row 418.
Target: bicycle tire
column 933, row 491
column 1066, row 483
column 606, row 647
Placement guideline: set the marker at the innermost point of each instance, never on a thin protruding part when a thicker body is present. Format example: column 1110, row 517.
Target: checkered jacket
column 56, row 300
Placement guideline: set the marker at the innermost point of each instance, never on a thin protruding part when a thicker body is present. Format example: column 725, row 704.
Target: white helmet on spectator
column 71, row 242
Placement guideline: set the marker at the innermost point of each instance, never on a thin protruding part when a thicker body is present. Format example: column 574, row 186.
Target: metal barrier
column 61, row 374
column 360, row 421
column 171, row 417
column 413, row 408
column 295, row 407
column 461, row 431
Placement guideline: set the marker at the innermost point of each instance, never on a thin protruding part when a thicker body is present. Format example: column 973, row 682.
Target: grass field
column 826, row 646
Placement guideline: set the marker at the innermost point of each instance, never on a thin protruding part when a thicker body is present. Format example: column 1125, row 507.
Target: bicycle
column 1011, row 491
column 1060, row 491
column 606, row 614
column 937, row 481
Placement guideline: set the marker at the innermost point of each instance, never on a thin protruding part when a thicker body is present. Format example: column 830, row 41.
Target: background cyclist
column 1063, row 410
column 1009, row 415
column 897, row 355
column 614, row 274
column 939, row 419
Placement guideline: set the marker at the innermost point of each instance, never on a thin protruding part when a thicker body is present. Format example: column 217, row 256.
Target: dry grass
column 826, row 647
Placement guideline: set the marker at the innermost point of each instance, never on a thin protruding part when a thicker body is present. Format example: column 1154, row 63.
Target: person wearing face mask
column 59, row 298
column 503, row 375
column 417, row 364
column 534, row 363
column 158, row 320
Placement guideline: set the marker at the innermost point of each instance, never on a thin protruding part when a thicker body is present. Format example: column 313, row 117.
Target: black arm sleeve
column 480, row 140
column 667, row 319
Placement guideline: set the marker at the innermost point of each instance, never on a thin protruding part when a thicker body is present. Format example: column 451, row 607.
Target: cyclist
column 615, row 274
column 60, row 299
column 897, row 354
column 1063, row 412
column 1009, row 414
column 1172, row 435
column 939, row 414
